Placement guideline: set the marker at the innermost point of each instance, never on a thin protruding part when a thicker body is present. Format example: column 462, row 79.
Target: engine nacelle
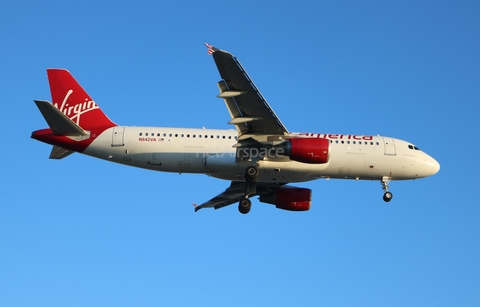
column 307, row 150
column 289, row 198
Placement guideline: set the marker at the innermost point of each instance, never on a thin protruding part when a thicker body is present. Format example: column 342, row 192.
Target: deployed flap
column 59, row 152
column 243, row 99
column 59, row 122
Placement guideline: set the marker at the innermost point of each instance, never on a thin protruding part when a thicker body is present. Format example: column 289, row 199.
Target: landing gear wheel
column 385, row 181
column 387, row 196
column 244, row 206
column 251, row 173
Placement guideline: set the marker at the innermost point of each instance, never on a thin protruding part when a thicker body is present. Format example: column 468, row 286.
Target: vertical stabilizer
column 73, row 101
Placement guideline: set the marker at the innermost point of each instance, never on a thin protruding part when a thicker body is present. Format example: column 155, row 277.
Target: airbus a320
column 260, row 157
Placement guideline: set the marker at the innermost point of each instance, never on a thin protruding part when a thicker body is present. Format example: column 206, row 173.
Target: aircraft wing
column 250, row 112
column 235, row 193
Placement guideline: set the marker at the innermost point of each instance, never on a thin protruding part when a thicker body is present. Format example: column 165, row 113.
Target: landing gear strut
column 388, row 195
column 251, row 174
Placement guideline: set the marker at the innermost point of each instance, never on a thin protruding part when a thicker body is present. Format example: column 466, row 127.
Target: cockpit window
column 416, row 148
column 410, row 146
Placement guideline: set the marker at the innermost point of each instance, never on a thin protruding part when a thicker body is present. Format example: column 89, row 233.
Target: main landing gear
column 244, row 206
column 251, row 174
column 388, row 195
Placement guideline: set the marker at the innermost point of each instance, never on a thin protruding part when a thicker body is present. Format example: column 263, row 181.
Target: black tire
column 387, row 196
column 244, row 206
column 251, row 173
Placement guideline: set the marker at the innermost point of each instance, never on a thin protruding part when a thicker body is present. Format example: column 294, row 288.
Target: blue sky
column 84, row 232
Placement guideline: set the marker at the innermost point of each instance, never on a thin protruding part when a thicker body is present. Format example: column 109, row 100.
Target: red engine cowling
column 308, row 150
column 289, row 198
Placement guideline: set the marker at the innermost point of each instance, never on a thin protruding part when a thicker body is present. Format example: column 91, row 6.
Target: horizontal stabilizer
column 59, row 153
column 59, row 122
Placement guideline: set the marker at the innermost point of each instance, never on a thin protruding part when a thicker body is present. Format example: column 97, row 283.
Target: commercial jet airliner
column 260, row 157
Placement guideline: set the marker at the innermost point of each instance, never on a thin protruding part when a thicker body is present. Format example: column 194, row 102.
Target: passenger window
column 229, row 137
column 176, row 135
column 371, row 143
column 378, row 143
column 348, row 142
column 188, row 135
column 343, row 142
column 140, row 134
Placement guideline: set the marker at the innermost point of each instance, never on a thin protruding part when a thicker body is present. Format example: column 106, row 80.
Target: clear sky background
column 84, row 232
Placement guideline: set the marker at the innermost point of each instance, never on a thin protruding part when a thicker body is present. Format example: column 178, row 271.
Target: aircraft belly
column 270, row 171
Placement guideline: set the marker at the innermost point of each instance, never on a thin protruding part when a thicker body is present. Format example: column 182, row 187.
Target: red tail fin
column 72, row 100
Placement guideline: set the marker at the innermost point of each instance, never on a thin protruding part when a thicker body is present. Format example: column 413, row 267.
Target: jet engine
column 307, row 150
column 289, row 198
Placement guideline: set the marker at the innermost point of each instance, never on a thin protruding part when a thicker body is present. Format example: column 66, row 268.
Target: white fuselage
column 212, row 152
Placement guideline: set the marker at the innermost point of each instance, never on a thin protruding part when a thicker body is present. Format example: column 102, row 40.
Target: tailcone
column 42, row 135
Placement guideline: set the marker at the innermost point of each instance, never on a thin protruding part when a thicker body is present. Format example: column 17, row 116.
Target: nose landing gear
column 388, row 195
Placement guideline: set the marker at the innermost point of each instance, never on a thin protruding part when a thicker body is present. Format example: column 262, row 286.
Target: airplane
column 260, row 157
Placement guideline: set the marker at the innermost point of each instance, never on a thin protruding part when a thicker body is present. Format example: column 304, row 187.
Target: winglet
column 211, row 49
column 197, row 207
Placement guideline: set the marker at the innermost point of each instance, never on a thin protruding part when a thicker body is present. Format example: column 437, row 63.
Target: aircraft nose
column 434, row 165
